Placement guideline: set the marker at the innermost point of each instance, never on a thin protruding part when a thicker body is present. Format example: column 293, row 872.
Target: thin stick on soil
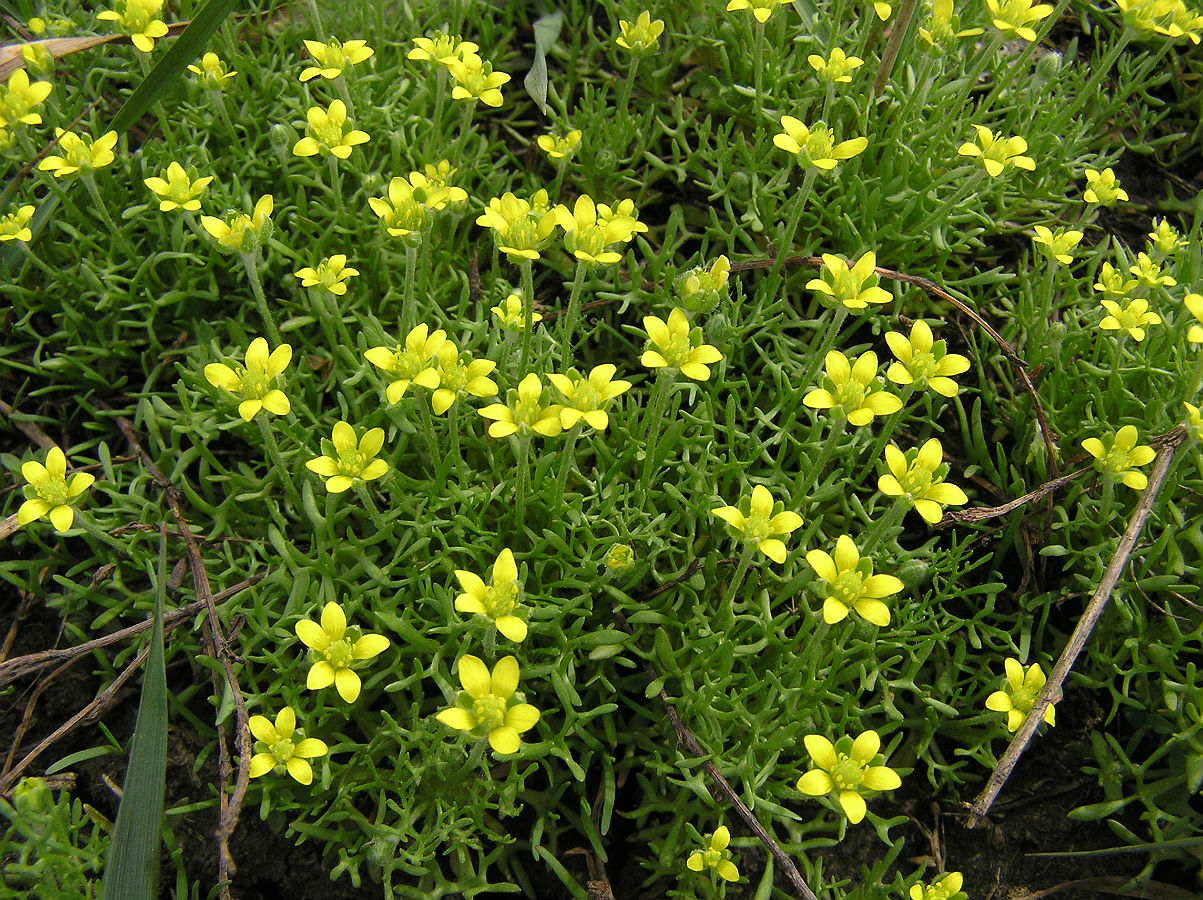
column 686, row 737
column 1169, row 444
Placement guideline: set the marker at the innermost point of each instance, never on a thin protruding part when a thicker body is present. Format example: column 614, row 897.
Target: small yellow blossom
column 20, row 99
column 620, row 557
column 1112, row 282
column 814, row 146
column 38, row 59
column 1194, row 421
column 1019, row 693
column 402, row 214
column 442, row 48
column 587, row 397
column 137, row 18
column 476, row 80
column 180, row 189
column 14, row 226
column 521, row 228
column 348, row 460
column 761, row 9
column 702, row 289
column 837, row 67
column 849, row 768
column 924, row 362
column 621, row 221
column 764, row 523
column 524, row 412
column 509, row 314
column 677, row 346
column 715, row 856
column 1016, row 17
column 80, row 153
column 255, row 381
column 917, row 478
column 855, row 287
column 330, row 131
column 212, row 72
column 1194, row 305
column 1131, row 317
column 1149, row 273
column 488, row 703
column 589, row 238
column 415, row 362
column 332, row 58
column 945, row 888
column 460, row 374
column 850, row 390
column 499, row 601
column 48, row 491
column 239, row 232
column 277, row 747
column 335, row 649
column 998, row 153
column 1057, row 244
column 943, row 26
column 642, row 36
column 883, row 10
column 851, row 584
column 432, row 186
column 1118, row 456
column 559, row 146
column 1103, row 188
column 1166, row 18
column 331, row 274
column 1165, row 239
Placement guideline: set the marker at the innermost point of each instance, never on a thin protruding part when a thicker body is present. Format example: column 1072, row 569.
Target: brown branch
column 1169, row 444
column 981, row 513
column 686, row 737
column 230, row 804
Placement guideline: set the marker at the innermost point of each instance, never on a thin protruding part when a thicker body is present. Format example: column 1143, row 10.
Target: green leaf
column 547, row 29
column 132, row 869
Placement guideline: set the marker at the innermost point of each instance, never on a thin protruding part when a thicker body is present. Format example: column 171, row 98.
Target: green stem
column 278, row 463
column 966, row 185
column 1020, row 63
column 440, row 100
column 407, row 297
column 886, row 524
column 791, row 227
column 217, row 99
column 759, row 74
column 365, row 497
column 250, row 262
column 988, row 51
column 528, row 312
column 85, row 520
column 737, row 580
column 461, row 139
column 889, row 56
column 656, row 413
column 344, row 94
column 103, row 211
column 833, row 331
column 523, row 478
column 813, row 472
column 624, row 97
column 432, row 440
column 336, row 183
column 32, row 257
column 568, row 326
column 456, row 451
column 315, row 18
column 567, row 460
column 887, row 431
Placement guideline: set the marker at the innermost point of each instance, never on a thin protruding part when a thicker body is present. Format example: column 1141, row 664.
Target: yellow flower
column 524, row 412
column 761, row 9
column 677, row 346
column 1164, row 238
column 330, row 131
column 998, row 153
column 814, row 145
column 1057, row 244
column 330, row 275
column 620, row 220
column 415, row 362
column 916, row 478
column 923, row 361
column 49, row 492
column 1194, row 421
column 587, row 398
column 276, row 747
column 1194, row 305
column 1103, row 187
column 80, row 153
column 851, row 390
column 837, row 67
column 559, row 146
column 442, row 48
column 402, row 214
column 1019, row 694
column 180, row 189
column 715, row 856
column 38, row 59
column 212, row 72
column 332, row 58
column 19, row 99
column 476, row 80
column 1015, row 17
column 255, row 382
column 460, row 374
column 498, row 601
column 1112, row 282
column 137, row 19
column 764, row 523
column 432, row 187
column 701, row 289
column 239, row 232
column 1149, row 273
column 488, row 703
column 1131, row 317
column 946, row 888
column 335, row 651
column 509, row 314
column 855, row 287
column 14, row 226
column 847, row 769
column 942, row 26
column 851, row 584
column 348, row 460
column 589, row 238
column 883, row 10
column 1119, row 455
column 642, row 36
column 521, row 228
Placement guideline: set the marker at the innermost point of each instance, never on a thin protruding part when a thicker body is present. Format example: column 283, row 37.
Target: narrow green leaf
column 132, row 869
column 547, row 29
column 76, row 758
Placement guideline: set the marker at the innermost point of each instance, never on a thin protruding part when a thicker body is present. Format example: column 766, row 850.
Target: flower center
column 282, row 750
column 490, row 711
column 819, row 144
column 253, row 383
column 676, row 351
column 328, row 132
column 502, row 598
column 352, row 462
column 850, row 394
column 339, row 654
column 847, row 773
column 756, row 527
column 916, row 481
column 848, row 587
column 922, row 365
column 527, row 412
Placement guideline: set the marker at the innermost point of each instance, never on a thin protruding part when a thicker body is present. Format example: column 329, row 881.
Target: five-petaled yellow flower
column 1103, row 187
column 587, row 397
column 476, row 80
column 180, row 189
column 20, row 99
column 239, row 232
column 814, row 145
column 277, row 747
column 847, row 769
column 460, row 374
column 673, row 345
column 14, row 226
column 524, row 411
column 1019, row 693
column 212, row 72
column 1132, row 316
column 500, row 601
column 415, row 362
column 1164, row 238
column 137, row 18
column 916, row 478
column 49, row 492
column 488, row 704
column 715, row 856
column 642, row 36
column 853, row 287
column 331, row 274
column 1057, row 244
column 403, row 214
column 761, row 9
column 590, row 237
column 335, row 650
column 442, row 48
column 1016, row 17
column 1150, row 273
column 510, row 316
column 837, row 67
column 1118, row 456
column 559, row 146
column 946, row 888
column 80, row 153
column 923, row 361
column 1113, row 283
column 255, row 381
column 349, row 460
column 330, row 131
column 943, row 26
column 332, row 58
column 998, row 153
column 851, row 584
column 852, row 391
column 764, row 523
column 521, row 228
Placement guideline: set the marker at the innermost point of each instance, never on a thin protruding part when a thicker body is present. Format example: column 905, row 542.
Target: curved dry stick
column 1098, row 602
column 982, row 513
